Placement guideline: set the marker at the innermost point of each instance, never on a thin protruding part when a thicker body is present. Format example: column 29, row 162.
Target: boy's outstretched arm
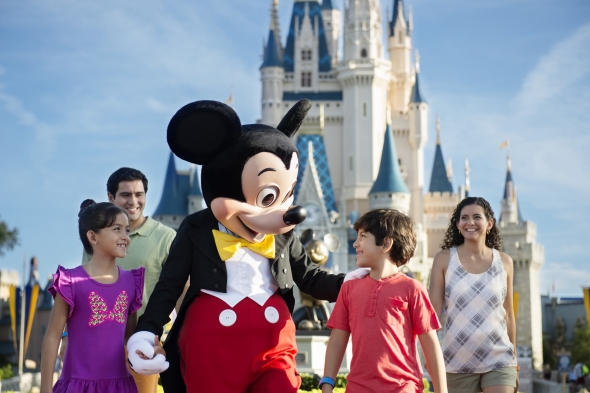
column 334, row 355
column 434, row 360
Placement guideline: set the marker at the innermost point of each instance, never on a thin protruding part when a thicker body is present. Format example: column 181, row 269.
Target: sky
column 88, row 87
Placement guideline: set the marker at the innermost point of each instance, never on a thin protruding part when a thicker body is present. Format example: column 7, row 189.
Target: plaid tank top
column 476, row 339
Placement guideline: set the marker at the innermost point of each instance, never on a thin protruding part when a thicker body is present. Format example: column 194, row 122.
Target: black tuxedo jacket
column 194, row 254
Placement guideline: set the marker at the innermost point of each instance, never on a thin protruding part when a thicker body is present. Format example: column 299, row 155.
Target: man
column 149, row 246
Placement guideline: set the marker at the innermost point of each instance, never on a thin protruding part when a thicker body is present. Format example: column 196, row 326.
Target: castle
column 362, row 143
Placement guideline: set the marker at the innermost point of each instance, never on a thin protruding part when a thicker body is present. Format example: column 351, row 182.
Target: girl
column 98, row 302
column 471, row 281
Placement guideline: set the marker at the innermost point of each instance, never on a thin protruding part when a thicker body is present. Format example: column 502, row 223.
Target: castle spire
column 399, row 13
column 416, row 97
column 510, row 210
column 273, row 50
column 439, row 180
column 467, row 181
column 390, row 189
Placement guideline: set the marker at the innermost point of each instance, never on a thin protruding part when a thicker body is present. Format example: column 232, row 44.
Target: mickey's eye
column 267, row 196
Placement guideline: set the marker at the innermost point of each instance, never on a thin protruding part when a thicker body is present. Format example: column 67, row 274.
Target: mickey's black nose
column 295, row 215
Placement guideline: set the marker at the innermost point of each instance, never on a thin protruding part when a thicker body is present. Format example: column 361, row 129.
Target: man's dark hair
column 125, row 174
column 395, row 225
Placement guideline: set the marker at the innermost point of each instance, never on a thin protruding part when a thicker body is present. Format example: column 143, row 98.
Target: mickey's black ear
column 293, row 119
column 199, row 131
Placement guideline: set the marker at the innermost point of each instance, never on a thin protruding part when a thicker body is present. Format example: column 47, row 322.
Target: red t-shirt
column 384, row 318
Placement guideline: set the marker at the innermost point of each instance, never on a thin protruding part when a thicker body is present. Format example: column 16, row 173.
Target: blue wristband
column 327, row 380
column 64, row 334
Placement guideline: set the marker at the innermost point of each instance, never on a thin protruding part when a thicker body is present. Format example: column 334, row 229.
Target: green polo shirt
column 149, row 247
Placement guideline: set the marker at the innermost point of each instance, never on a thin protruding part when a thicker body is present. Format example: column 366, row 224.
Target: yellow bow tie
column 227, row 245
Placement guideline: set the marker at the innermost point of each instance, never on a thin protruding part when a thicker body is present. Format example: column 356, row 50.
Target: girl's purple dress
column 95, row 357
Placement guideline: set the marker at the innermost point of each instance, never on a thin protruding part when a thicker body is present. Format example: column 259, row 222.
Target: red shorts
column 247, row 348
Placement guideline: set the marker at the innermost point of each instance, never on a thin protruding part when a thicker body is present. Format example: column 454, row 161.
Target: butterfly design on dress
column 100, row 311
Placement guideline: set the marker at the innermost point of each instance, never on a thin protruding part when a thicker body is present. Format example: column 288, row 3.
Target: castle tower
column 195, row 196
column 331, row 16
column 173, row 206
column 399, row 44
column 272, row 73
column 440, row 200
column 389, row 190
column 414, row 146
column 509, row 206
column 520, row 243
column 364, row 77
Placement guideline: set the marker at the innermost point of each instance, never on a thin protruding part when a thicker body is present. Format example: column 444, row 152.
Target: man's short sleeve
column 424, row 317
column 339, row 319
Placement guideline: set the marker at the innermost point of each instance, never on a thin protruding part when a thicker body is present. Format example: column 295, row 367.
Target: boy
column 385, row 312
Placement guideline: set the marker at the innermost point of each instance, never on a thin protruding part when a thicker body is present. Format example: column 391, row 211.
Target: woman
column 471, row 281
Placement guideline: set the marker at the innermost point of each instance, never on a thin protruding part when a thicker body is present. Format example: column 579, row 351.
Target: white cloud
column 566, row 63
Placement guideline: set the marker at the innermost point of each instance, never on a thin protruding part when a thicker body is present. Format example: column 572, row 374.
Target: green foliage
column 8, row 238
column 6, row 372
column 581, row 346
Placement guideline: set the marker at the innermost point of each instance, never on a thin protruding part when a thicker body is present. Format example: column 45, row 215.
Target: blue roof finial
column 416, row 96
column 389, row 178
column 439, row 180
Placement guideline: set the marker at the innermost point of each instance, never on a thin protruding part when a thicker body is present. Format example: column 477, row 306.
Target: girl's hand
column 158, row 349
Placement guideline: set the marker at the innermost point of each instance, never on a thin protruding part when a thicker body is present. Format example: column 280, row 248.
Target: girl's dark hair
column 94, row 217
column 454, row 238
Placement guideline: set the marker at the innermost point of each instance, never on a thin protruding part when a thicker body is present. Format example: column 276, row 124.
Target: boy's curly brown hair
column 395, row 225
column 454, row 238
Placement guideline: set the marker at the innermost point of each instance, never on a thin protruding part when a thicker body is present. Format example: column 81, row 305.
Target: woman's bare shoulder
column 441, row 259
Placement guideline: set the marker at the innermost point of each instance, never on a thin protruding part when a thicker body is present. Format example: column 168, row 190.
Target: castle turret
column 519, row 241
column 440, row 200
column 439, row 181
column 331, row 16
column 389, row 190
column 272, row 73
column 509, row 205
column 399, row 45
column 362, row 31
column 418, row 135
column 364, row 77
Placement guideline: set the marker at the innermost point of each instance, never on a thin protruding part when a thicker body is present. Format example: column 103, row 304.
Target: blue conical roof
column 439, row 181
column 416, row 96
column 389, row 178
column 327, row 5
column 398, row 6
column 506, row 194
column 196, row 184
column 272, row 52
column 174, row 194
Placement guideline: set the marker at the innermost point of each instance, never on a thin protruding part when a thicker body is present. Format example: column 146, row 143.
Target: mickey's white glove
column 144, row 342
column 356, row 274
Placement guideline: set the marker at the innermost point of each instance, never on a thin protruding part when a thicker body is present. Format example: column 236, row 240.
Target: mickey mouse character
column 234, row 331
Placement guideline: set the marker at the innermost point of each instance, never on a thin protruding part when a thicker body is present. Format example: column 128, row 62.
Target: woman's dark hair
column 94, row 217
column 454, row 238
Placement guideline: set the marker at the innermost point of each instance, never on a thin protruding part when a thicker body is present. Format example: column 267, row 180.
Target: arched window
column 363, row 53
column 364, row 109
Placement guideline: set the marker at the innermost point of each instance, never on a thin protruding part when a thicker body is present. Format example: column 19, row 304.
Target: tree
column 581, row 346
column 8, row 237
